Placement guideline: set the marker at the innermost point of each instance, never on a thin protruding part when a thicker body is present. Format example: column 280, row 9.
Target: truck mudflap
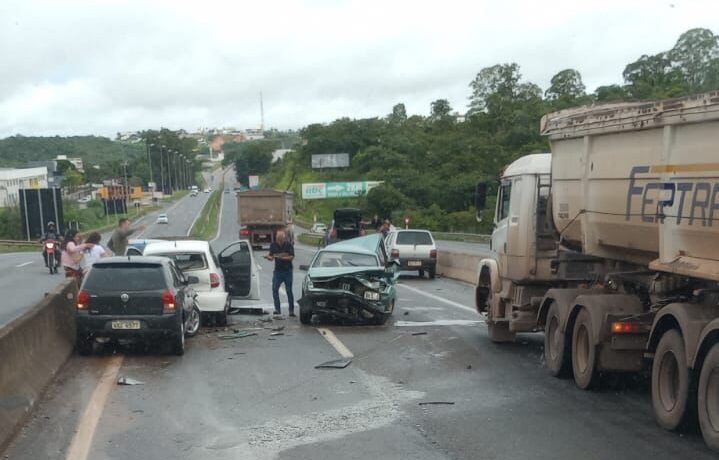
column 343, row 305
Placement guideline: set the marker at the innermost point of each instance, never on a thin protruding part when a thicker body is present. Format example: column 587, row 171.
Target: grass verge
column 205, row 227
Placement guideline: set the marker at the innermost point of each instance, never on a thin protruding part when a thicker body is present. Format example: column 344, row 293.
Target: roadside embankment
column 33, row 348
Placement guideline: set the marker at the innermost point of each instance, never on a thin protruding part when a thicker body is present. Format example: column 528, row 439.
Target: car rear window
column 344, row 259
column 418, row 238
column 187, row 261
column 125, row 277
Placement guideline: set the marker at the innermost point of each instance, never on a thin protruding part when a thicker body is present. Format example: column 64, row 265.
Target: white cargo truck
column 610, row 245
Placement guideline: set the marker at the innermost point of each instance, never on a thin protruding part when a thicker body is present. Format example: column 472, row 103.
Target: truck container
column 261, row 213
column 610, row 245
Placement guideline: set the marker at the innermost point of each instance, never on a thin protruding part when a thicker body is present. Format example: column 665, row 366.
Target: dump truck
column 610, row 246
column 261, row 213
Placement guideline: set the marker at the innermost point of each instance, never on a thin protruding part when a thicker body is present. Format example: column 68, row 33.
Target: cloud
column 82, row 67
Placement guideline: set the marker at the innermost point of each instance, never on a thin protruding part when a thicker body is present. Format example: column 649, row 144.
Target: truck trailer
column 261, row 213
column 610, row 245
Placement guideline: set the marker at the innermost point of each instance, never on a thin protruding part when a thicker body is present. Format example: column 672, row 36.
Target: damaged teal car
column 351, row 281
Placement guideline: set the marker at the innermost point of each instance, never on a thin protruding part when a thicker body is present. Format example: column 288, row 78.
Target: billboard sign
column 331, row 160
column 254, row 182
column 324, row 190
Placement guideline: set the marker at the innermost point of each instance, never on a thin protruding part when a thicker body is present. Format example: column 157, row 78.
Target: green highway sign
column 323, row 190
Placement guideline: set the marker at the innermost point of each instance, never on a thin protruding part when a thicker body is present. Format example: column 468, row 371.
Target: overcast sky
column 99, row 67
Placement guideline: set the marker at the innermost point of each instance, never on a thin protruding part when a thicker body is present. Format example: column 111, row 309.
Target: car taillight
column 214, row 280
column 433, row 253
column 395, row 253
column 168, row 301
column 83, row 300
column 244, row 232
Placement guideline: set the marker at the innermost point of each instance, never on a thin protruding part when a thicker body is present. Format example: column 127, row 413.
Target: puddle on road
column 439, row 322
column 268, row 440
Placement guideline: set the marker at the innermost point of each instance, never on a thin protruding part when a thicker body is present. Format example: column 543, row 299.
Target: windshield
column 412, row 238
column 125, row 277
column 187, row 261
column 344, row 259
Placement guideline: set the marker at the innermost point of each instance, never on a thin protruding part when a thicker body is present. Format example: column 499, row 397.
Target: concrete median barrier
column 459, row 266
column 33, row 348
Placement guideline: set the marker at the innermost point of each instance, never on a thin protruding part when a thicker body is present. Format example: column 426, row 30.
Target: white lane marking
column 335, row 342
column 192, row 225
column 82, row 441
column 438, row 298
column 439, row 322
column 23, row 264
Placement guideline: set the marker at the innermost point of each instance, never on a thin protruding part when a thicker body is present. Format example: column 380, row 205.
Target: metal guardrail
column 18, row 243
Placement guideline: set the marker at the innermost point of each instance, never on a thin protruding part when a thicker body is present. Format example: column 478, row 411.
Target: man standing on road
column 120, row 237
column 282, row 252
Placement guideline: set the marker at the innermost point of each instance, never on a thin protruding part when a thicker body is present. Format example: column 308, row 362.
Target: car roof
column 362, row 245
column 403, row 230
column 178, row 246
column 132, row 259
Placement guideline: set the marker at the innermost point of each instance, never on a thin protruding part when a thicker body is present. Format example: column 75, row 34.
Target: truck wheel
column 499, row 332
column 305, row 315
column 708, row 399
column 671, row 382
column 584, row 352
column 556, row 352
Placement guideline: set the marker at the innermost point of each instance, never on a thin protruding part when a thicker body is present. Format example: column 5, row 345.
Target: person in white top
column 93, row 254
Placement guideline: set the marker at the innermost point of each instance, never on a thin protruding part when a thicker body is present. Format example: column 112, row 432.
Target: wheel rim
column 668, row 381
column 712, row 399
column 194, row 322
column 554, row 338
column 582, row 351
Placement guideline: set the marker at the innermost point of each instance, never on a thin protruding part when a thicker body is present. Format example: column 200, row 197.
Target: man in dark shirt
column 282, row 252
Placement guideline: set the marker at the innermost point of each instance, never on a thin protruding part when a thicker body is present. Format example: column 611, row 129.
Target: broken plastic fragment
column 334, row 364
column 129, row 381
column 238, row 335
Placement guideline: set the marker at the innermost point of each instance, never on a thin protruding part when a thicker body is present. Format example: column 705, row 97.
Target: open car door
column 238, row 264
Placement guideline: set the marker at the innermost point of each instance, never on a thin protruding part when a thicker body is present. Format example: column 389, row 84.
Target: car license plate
column 414, row 263
column 126, row 324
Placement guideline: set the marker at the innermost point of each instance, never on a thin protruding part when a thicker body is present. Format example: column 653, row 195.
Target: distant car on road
column 350, row 280
column 162, row 219
column 207, row 190
column 194, row 193
column 136, row 299
column 236, row 276
column 318, row 228
column 346, row 224
column 414, row 249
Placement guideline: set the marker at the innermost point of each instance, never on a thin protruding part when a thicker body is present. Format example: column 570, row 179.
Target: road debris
column 237, row 335
column 406, row 313
column 277, row 333
column 334, row 364
column 278, row 328
column 436, row 403
column 469, row 366
column 420, row 333
column 128, row 381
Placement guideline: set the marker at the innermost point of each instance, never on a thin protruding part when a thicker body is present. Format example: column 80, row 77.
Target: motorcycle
column 51, row 249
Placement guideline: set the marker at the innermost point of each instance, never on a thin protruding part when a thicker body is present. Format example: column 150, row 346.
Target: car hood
column 334, row 272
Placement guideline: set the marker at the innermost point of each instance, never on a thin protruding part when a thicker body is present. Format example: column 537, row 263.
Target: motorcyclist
column 53, row 235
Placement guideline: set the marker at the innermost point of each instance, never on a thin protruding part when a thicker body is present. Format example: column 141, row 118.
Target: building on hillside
column 12, row 180
column 76, row 162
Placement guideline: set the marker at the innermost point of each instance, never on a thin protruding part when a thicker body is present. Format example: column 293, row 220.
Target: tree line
column 431, row 164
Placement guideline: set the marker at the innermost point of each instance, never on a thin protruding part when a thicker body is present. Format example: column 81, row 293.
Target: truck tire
column 305, row 316
column 584, row 352
column 708, row 399
column 556, row 351
column 499, row 332
column 671, row 382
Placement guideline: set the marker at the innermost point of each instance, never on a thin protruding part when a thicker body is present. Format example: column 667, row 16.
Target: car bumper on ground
column 149, row 326
column 212, row 301
column 342, row 305
column 417, row 264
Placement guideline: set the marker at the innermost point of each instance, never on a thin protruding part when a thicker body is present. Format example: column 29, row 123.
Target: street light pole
column 126, row 187
column 149, row 158
column 162, row 171
column 169, row 169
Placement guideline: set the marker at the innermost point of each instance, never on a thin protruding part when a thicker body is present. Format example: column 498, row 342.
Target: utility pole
column 162, row 171
column 126, row 187
column 262, row 114
column 149, row 158
column 169, row 170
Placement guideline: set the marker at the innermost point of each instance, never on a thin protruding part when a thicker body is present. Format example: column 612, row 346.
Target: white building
column 12, row 180
column 76, row 162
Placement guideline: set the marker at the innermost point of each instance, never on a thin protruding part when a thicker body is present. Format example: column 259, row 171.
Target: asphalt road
column 24, row 279
column 260, row 397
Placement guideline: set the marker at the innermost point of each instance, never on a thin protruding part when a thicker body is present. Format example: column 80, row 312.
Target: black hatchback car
column 136, row 298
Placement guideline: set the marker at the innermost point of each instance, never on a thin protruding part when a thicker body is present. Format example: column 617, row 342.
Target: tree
column 440, row 109
column 653, row 77
column 492, row 86
column 566, row 89
column 399, row 114
column 696, row 57
column 384, row 199
column 610, row 93
column 73, row 179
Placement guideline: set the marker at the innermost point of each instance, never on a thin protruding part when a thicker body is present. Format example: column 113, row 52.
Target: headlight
column 308, row 283
column 371, row 295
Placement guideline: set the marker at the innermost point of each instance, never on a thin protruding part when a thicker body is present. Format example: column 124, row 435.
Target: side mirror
column 192, row 280
column 480, row 196
column 304, row 268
